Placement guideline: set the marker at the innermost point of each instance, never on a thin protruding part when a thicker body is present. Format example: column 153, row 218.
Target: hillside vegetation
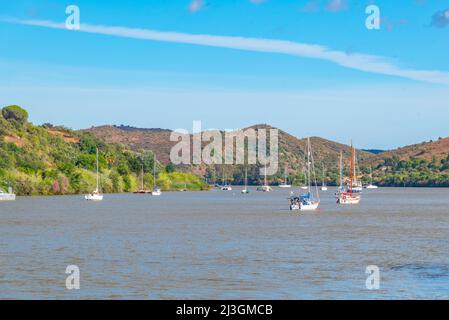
column 425, row 164
column 49, row 160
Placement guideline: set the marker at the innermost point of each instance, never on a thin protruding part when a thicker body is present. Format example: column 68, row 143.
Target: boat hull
column 7, row 197
column 93, row 197
column 265, row 189
column 305, row 207
column 348, row 199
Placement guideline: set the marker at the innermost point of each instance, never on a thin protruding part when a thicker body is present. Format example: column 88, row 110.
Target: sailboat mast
column 142, row 174
column 323, row 176
column 246, row 177
column 341, row 170
column 308, row 163
column 154, row 171
column 98, row 176
column 351, row 176
column 265, row 173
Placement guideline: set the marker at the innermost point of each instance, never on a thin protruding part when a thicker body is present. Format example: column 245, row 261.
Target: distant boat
column 265, row 187
column 7, row 196
column 371, row 185
column 225, row 186
column 350, row 194
column 142, row 189
column 285, row 184
column 96, row 195
column 245, row 190
column 308, row 201
column 323, row 184
column 156, row 190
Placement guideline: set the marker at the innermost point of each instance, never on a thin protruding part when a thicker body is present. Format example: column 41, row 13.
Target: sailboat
column 285, row 183
column 7, row 196
column 323, row 184
column 142, row 189
column 96, row 195
column 265, row 187
column 246, row 191
column 156, row 190
column 307, row 202
column 350, row 194
column 371, row 185
column 225, row 186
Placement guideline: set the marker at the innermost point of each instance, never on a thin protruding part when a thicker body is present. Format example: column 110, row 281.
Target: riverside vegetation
column 53, row 160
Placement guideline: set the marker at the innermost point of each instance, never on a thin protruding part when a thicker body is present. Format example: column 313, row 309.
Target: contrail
column 357, row 61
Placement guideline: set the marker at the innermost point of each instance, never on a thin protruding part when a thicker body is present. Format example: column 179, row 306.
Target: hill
column 424, row 164
column 46, row 160
column 291, row 152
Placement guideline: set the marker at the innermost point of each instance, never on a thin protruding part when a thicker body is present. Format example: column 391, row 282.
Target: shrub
column 16, row 114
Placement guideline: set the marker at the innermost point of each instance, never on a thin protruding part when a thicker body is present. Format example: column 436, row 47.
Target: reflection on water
column 224, row 245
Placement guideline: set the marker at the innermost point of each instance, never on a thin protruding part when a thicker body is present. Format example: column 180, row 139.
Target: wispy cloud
column 336, row 5
column 357, row 61
column 196, row 5
column 440, row 19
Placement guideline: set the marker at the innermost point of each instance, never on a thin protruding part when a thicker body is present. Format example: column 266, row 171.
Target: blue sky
column 382, row 88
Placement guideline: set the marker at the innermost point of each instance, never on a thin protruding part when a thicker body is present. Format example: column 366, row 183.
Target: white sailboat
column 7, row 196
column 371, row 185
column 285, row 184
column 156, row 190
column 323, row 184
column 246, row 190
column 265, row 187
column 308, row 201
column 96, row 195
column 225, row 186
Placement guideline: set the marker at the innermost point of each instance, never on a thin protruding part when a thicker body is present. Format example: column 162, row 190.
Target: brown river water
column 224, row 245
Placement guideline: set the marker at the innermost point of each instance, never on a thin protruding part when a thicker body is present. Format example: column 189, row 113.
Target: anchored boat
column 285, row 184
column 265, row 187
column 7, row 196
column 371, row 185
column 96, row 195
column 142, row 189
column 156, row 190
column 308, row 201
column 323, row 184
column 351, row 193
column 245, row 190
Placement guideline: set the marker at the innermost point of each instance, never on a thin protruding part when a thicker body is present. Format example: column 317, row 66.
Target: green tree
column 15, row 113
